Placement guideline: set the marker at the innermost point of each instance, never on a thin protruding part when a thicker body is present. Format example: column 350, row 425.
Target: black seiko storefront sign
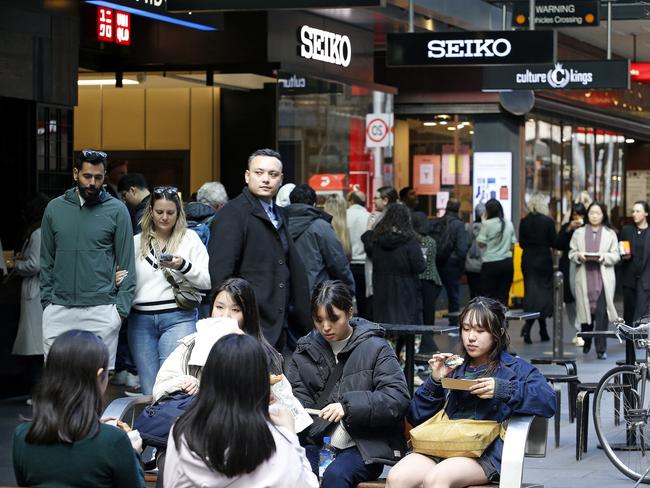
column 475, row 48
column 567, row 75
column 554, row 13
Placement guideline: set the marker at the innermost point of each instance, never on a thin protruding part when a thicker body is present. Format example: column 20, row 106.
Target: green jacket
column 81, row 249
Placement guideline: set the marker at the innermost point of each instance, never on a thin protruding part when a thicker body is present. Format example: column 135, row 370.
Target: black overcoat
column 244, row 243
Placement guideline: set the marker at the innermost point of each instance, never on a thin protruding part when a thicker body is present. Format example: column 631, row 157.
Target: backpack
column 156, row 420
column 202, row 229
column 444, row 244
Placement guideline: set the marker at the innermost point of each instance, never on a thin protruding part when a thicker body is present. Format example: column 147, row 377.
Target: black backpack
column 444, row 243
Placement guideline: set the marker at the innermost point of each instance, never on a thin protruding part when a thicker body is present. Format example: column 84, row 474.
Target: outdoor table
column 410, row 331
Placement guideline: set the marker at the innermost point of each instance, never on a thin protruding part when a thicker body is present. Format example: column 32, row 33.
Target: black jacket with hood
column 397, row 262
column 372, row 390
column 317, row 244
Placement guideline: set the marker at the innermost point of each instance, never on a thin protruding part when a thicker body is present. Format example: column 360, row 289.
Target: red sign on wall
column 105, row 24
column 122, row 28
column 328, row 182
column 113, row 26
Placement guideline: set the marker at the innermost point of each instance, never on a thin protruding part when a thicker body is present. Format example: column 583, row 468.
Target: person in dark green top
column 86, row 236
column 65, row 444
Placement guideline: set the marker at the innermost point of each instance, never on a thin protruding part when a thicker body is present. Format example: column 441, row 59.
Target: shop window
column 322, row 133
column 448, row 136
column 53, row 149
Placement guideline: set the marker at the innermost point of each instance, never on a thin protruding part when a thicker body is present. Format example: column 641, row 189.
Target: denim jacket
column 519, row 388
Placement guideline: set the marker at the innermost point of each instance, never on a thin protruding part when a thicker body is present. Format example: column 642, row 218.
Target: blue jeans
column 123, row 359
column 153, row 337
column 346, row 471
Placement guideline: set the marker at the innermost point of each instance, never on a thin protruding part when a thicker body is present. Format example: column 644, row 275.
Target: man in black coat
column 249, row 239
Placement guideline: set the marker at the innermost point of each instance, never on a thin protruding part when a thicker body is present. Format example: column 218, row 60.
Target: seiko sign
column 476, row 48
column 469, row 48
column 580, row 75
column 325, row 46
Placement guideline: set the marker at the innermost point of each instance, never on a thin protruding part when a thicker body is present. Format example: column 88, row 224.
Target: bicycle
column 621, row 408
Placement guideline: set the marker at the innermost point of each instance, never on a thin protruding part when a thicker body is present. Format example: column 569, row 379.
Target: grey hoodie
column 318, row 246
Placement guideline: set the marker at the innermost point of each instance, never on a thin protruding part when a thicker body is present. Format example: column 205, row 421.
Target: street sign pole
column 609, row 30
column 531, row 15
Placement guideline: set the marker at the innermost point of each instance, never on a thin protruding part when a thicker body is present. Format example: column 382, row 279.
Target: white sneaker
column 119, row 378
column 578, row 341
column 132, row 380
column 133, row 392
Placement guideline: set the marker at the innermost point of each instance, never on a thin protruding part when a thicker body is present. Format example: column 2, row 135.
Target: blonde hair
column 335, row 206
column 148, row 227
column 537, row 204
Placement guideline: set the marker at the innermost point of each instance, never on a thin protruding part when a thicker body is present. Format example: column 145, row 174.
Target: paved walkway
column 558, row 470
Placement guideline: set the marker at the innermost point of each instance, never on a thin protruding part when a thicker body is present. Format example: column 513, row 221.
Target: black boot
column 525, row 331
column 586, row 328
column 543, row 334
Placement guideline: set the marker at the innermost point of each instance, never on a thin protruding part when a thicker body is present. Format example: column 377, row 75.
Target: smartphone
column 166, row 257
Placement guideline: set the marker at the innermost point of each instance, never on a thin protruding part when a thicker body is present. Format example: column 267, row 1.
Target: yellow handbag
column 442, row 437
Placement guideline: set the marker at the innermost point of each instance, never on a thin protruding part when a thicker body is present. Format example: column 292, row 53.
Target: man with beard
column 86, row 237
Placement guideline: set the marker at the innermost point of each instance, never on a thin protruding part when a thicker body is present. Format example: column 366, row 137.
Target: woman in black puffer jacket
column 364, row 411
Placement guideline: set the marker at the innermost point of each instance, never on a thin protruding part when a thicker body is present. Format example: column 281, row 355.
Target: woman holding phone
column 165, row 250
column 594, row 250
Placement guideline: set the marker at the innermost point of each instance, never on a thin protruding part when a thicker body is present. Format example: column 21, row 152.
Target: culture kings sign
column 321, row 45
column 577, row 75
column 476, row 48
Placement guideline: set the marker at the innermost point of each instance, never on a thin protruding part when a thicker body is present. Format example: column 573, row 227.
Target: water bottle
column 325, row 456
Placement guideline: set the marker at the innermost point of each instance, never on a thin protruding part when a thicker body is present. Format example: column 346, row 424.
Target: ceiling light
column 105, row 81
column 587, row 95
column 460, row 126
column 451, row 128
column 443, row 122
column 443, row 116
column 629, row 141
column 471, row 132
column 430, row 124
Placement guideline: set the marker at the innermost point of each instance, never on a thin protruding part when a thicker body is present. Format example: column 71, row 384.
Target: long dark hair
column 329, row 294
column 243, row 295
column 68, row 399
column 227, row 425
column 494, row 210
column 33, row 212
column 603, row 209
column 396, row 220
column 489, row 314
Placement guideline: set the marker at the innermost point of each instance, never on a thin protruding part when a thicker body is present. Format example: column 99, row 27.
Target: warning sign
column 379, row 130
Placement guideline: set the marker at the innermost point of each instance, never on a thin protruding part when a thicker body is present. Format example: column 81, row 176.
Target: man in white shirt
column 357, row 220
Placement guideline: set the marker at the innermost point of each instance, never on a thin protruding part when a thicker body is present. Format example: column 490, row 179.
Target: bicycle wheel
column 620, row 417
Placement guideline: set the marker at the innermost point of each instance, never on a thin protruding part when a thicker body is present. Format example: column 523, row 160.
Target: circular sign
column 377, row 130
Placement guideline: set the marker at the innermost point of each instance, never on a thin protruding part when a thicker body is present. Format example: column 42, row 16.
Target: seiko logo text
column 325, row 46
column 469, row 48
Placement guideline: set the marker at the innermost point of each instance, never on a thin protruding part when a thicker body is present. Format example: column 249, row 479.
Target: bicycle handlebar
column 640, row 331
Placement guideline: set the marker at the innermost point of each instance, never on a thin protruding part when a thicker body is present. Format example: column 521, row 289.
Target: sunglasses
column 91, row 153
column 165, row 190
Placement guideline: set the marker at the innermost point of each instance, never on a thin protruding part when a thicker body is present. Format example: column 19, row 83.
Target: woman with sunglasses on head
column 504, row 385
column 165, row 250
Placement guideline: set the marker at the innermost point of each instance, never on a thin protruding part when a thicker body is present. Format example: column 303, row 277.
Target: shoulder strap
column 168, row 276
column 324, row 397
